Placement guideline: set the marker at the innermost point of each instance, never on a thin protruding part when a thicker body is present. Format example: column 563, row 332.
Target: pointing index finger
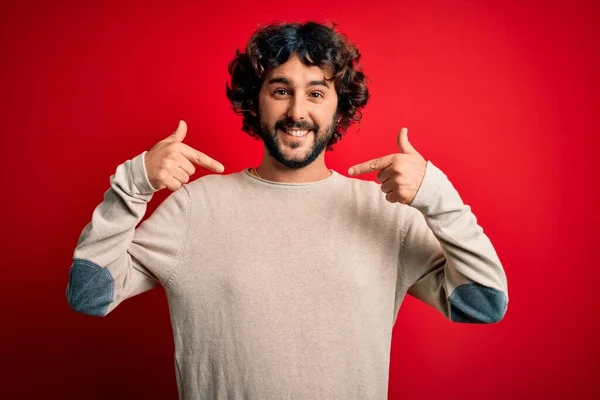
column 376, row 164
column 201, row 159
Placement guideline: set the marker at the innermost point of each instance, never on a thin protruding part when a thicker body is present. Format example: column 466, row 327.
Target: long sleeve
column 452, row 263
column 113, row 260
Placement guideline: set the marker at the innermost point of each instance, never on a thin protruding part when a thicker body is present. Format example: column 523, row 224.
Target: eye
column 317, row 95
column 280, row 92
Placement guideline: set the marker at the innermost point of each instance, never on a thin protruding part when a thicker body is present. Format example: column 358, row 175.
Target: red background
column 502, row 96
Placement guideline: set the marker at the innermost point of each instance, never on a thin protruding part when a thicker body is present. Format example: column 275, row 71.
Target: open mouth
column 299, row 133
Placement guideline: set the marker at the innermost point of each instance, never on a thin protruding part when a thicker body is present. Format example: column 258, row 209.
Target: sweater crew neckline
column 288, row 185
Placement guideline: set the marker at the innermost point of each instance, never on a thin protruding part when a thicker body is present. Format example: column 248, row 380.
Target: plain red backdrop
column 502, row 96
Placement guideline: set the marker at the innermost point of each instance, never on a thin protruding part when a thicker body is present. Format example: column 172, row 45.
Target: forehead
column 297, row 73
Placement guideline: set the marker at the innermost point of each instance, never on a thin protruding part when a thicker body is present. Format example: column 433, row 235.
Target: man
column 284, row 281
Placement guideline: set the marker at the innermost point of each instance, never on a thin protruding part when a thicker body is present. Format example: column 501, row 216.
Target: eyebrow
column 285, row 81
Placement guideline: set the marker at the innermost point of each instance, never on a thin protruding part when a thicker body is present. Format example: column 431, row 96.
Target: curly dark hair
column 316, row 44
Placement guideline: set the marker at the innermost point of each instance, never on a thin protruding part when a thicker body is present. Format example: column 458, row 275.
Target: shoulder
column 360, row 188
column 362, row 194
column 215, row 183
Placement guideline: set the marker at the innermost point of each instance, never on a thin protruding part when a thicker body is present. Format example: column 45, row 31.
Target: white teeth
column 297, row 133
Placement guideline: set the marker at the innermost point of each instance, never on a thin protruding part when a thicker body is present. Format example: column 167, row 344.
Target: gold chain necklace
column 254, row 172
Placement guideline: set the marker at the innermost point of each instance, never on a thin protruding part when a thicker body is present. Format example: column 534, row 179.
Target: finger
column 181, row 175
column 385, row 174
column 200, row 158
column 179, row 133
column 376, row 164
column 173, row 184
column 186, row 165
column 403, row 143
column 391, row 197
column 387, row 186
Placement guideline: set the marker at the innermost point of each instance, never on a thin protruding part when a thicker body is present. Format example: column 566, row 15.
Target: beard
column 271, row 140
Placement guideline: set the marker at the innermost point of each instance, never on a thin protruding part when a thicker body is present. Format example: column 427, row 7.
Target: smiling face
column 297, row 112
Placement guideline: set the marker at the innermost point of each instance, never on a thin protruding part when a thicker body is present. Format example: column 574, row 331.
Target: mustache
column 284, row 124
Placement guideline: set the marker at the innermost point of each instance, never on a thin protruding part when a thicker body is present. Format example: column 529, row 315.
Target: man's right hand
column 169, row 162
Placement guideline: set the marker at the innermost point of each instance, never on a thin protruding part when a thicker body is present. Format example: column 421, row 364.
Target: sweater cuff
column 435, row 193
column 140, row 175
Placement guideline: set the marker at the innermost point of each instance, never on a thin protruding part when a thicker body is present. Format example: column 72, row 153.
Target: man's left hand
column 400, row 174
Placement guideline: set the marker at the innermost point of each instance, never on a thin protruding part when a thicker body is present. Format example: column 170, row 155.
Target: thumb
column 179, row 133
column 403, row 143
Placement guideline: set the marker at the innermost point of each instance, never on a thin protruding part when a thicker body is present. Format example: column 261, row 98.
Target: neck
column 272, row 170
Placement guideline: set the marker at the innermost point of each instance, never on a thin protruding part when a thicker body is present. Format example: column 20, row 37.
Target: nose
column 297, row 110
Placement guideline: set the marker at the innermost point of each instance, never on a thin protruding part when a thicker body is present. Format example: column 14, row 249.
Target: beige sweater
column 285, row 291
